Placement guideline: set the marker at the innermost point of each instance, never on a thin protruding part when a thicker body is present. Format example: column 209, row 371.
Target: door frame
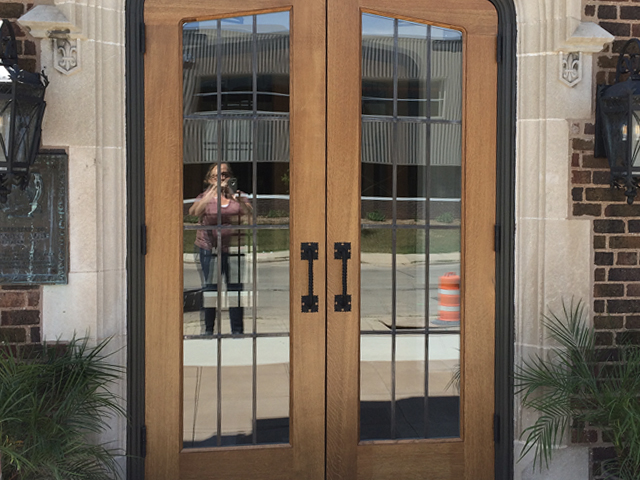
column 505, row 237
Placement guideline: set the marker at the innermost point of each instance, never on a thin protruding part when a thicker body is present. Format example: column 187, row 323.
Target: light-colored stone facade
column 553, row 250
column 86, row 115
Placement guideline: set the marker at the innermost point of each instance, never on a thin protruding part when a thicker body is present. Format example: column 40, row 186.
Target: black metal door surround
column 134, row 50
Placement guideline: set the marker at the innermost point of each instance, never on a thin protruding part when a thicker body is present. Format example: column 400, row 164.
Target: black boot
column 236, row 315
column 209, row 320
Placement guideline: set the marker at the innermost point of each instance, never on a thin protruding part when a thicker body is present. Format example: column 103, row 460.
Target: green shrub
column 576, row 384
column 376, row 216
column 49, row 403
column 191, row 219
column 277, row 214
column 286, row 180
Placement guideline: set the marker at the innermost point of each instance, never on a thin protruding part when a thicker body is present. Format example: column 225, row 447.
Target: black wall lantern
column 618, row 121
column 21, row 111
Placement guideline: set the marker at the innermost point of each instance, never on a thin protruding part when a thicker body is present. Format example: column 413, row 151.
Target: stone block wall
column 616, row 225
column 20, row 306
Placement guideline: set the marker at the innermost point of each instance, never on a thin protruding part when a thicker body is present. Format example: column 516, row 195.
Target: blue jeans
column 208, row 271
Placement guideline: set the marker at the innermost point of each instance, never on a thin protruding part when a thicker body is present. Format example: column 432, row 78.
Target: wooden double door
column 320, row 209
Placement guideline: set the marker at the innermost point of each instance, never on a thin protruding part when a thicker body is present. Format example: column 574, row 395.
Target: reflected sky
column 383, row 26
column 266, row 23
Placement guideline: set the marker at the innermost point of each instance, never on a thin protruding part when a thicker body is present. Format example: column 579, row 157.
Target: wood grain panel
column 170, row 12
column 163, row 192
column 440, row 461
column 308, row 139
column 343, row 225
column 475, row 16
column 478, row 287
column 264, row 463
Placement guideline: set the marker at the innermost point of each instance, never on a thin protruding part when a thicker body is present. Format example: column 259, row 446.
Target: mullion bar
column 390, row 119
column 401, row 227
column 244, row 335
column 394, row 205
column 284, row 226
column 239, row 116
column 218, row 318
column 239, row 92
column 427, row 213
column 254, row 125
column 408, row 331
column 196, row 403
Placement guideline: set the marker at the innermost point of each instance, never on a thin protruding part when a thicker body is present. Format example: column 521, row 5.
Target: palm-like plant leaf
column 49, row 404
column 573, row 384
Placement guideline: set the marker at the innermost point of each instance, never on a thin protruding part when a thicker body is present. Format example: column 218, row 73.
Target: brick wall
column 20, row 314
column 27, row 47
column 616, row 225
column 20, row 306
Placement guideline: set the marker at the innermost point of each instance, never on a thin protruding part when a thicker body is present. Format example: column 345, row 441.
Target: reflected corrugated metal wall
column 272, row 132
column 446, row 72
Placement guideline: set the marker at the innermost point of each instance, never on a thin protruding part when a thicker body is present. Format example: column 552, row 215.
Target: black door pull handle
column 309, row 252
column 342, row 251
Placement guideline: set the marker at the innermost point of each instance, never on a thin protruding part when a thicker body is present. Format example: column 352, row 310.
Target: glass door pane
column 410, row 230
column 236, row 231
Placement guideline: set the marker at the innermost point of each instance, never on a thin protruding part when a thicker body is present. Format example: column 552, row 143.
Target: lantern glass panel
column 635, row 139
column 27, row 132
column 5, row 126
column 615, row 119
column 5, row 114
column 21, row 110
column 28, row 111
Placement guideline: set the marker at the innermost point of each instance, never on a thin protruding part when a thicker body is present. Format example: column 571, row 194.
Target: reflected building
column 218, row 113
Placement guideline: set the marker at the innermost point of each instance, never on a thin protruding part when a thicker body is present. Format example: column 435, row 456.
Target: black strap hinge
column 143, row 441
column 143, row 239
column 143, row 38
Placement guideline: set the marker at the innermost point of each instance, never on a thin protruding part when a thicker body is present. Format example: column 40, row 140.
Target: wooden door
column 175, row 44
column 459, row 66
column 284, row 394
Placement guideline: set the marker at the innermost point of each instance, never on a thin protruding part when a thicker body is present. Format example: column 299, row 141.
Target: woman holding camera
column 233, row 206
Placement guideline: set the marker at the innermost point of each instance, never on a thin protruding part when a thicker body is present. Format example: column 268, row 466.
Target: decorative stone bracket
column 47, row 21
column 66, row 54
column 571, row 68
column 588, row 37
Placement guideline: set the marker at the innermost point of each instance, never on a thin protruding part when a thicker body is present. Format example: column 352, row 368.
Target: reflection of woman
column 233, row 206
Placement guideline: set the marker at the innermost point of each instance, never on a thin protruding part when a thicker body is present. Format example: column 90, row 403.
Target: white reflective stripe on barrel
column 449, row 309
column 442, row 291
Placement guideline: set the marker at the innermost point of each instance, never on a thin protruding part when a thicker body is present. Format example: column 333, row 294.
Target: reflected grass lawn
column 372, row 241
column 410, row 241
column 268, row 240
column 444, row 241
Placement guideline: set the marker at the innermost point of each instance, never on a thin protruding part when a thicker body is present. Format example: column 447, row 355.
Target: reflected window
column 377, row 98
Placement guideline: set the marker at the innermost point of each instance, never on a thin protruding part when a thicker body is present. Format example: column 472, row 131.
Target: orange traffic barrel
column 449, row 300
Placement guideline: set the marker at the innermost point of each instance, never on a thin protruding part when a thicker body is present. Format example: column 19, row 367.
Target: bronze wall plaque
column 33, row 226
